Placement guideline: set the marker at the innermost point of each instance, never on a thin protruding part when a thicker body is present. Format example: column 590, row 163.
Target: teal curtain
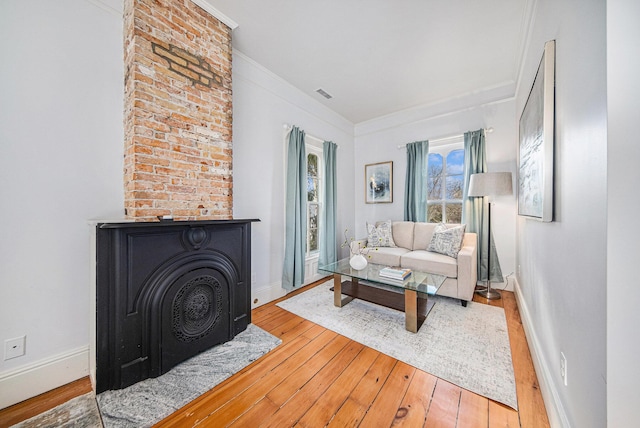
column 328, row 251
column 296, row 211
column 415, row 187
column 475, row 211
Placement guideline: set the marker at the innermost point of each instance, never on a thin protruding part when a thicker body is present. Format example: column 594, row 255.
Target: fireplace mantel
column 126, row 223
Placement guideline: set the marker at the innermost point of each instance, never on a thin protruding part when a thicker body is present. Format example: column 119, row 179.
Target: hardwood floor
column 43, row 402
column 318, row 378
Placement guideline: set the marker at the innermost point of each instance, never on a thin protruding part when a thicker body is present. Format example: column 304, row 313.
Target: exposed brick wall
column 178, row 154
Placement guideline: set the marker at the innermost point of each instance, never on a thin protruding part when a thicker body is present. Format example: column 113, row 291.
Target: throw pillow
column 447, row 240
column 380, row 235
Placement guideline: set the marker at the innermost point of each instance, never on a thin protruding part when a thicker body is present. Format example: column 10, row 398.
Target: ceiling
column 378, row 57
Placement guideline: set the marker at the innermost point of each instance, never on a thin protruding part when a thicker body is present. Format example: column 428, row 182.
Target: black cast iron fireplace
column 166, row 292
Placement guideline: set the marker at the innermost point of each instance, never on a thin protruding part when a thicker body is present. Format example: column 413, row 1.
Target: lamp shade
column 490, row 184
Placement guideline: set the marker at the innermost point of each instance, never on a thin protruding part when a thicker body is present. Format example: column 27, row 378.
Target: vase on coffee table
column 358, row 262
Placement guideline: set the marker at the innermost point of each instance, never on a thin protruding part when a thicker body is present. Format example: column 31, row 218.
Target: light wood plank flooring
column 43, row 402
column 318, row 378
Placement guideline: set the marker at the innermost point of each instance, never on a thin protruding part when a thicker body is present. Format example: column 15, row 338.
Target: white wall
column 562, row 265
column 623, row 176
column 62, row 142
column 378, row 141
column 262, row 104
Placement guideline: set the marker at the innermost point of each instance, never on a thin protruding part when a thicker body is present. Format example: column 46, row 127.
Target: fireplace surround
column 166, row 291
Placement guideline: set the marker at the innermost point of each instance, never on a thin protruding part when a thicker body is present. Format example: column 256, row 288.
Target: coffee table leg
column 337, row 290
column 338, row 300
column 411, row 310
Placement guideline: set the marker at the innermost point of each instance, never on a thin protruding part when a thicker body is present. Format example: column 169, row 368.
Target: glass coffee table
column 409, row 296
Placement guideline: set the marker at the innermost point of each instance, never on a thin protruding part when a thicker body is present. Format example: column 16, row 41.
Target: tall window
column 314, row 186
column 444, row 191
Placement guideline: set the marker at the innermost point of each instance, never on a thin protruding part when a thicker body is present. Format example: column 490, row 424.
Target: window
column 314, row 186
column 445, row 184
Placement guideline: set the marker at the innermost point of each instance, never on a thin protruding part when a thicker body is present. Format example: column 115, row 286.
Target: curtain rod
column 450, row 137
column 288, row 128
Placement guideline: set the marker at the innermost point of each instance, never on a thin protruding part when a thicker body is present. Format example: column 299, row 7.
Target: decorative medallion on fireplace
column 197, row 308
column 166, row 292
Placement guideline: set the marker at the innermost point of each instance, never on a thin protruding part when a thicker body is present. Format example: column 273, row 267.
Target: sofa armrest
column 468, row 266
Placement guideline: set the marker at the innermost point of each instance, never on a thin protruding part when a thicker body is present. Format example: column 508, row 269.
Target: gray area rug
column 150, row 401
column 468, row 347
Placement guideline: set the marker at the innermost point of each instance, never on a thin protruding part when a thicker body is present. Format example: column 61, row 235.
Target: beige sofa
column 412, row 240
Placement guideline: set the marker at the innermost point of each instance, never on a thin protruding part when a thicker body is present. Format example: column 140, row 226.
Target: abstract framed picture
column 378, row 182
column 536, row 145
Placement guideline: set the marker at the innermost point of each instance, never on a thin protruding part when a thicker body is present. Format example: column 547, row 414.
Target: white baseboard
column 273, row 291
column 42, row 376
column 266, row 294
column 555, row 409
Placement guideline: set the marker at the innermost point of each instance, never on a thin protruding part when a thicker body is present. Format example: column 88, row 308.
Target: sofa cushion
column 403, row 234
column 380, row 235
column 387, row 256
column 428, row 261
column 422, row 235
column 447, row 240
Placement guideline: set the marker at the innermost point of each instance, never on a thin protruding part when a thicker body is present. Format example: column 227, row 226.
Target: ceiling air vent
column 324, row 93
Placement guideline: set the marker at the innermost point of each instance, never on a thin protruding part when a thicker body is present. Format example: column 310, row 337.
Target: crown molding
column 216, row 13
column 490, row 95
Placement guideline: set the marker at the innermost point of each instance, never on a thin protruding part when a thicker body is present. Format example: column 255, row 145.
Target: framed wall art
column 378, row 182
column 536, row 145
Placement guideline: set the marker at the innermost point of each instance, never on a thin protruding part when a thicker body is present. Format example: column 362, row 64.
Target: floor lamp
column 488, row 184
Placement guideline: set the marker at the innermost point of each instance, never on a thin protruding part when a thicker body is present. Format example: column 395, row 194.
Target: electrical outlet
column 563, row 368
column 14, row 347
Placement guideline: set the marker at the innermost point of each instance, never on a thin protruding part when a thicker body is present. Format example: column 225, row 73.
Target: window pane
column 312, row 165
column 434, row 189
column 316, row 185
column 313, row 227
column 313, row 240
column 454, row 213
column 454, row 186
column 313, row 216
column 434, row 183
column 312, row 189
column 434, row 213
column 455, row 162
column 312, row 177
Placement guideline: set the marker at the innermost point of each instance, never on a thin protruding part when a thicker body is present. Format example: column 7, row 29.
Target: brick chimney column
column 178, row 112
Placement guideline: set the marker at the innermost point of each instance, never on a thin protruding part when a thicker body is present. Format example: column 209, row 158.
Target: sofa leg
column 464, row 303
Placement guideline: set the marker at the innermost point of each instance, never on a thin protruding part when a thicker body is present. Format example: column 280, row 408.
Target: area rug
column 468, row 347
column 150, row 401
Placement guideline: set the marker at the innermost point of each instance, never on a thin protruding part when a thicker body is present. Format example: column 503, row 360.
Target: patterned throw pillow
column 380, row 235
column 447, row 240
